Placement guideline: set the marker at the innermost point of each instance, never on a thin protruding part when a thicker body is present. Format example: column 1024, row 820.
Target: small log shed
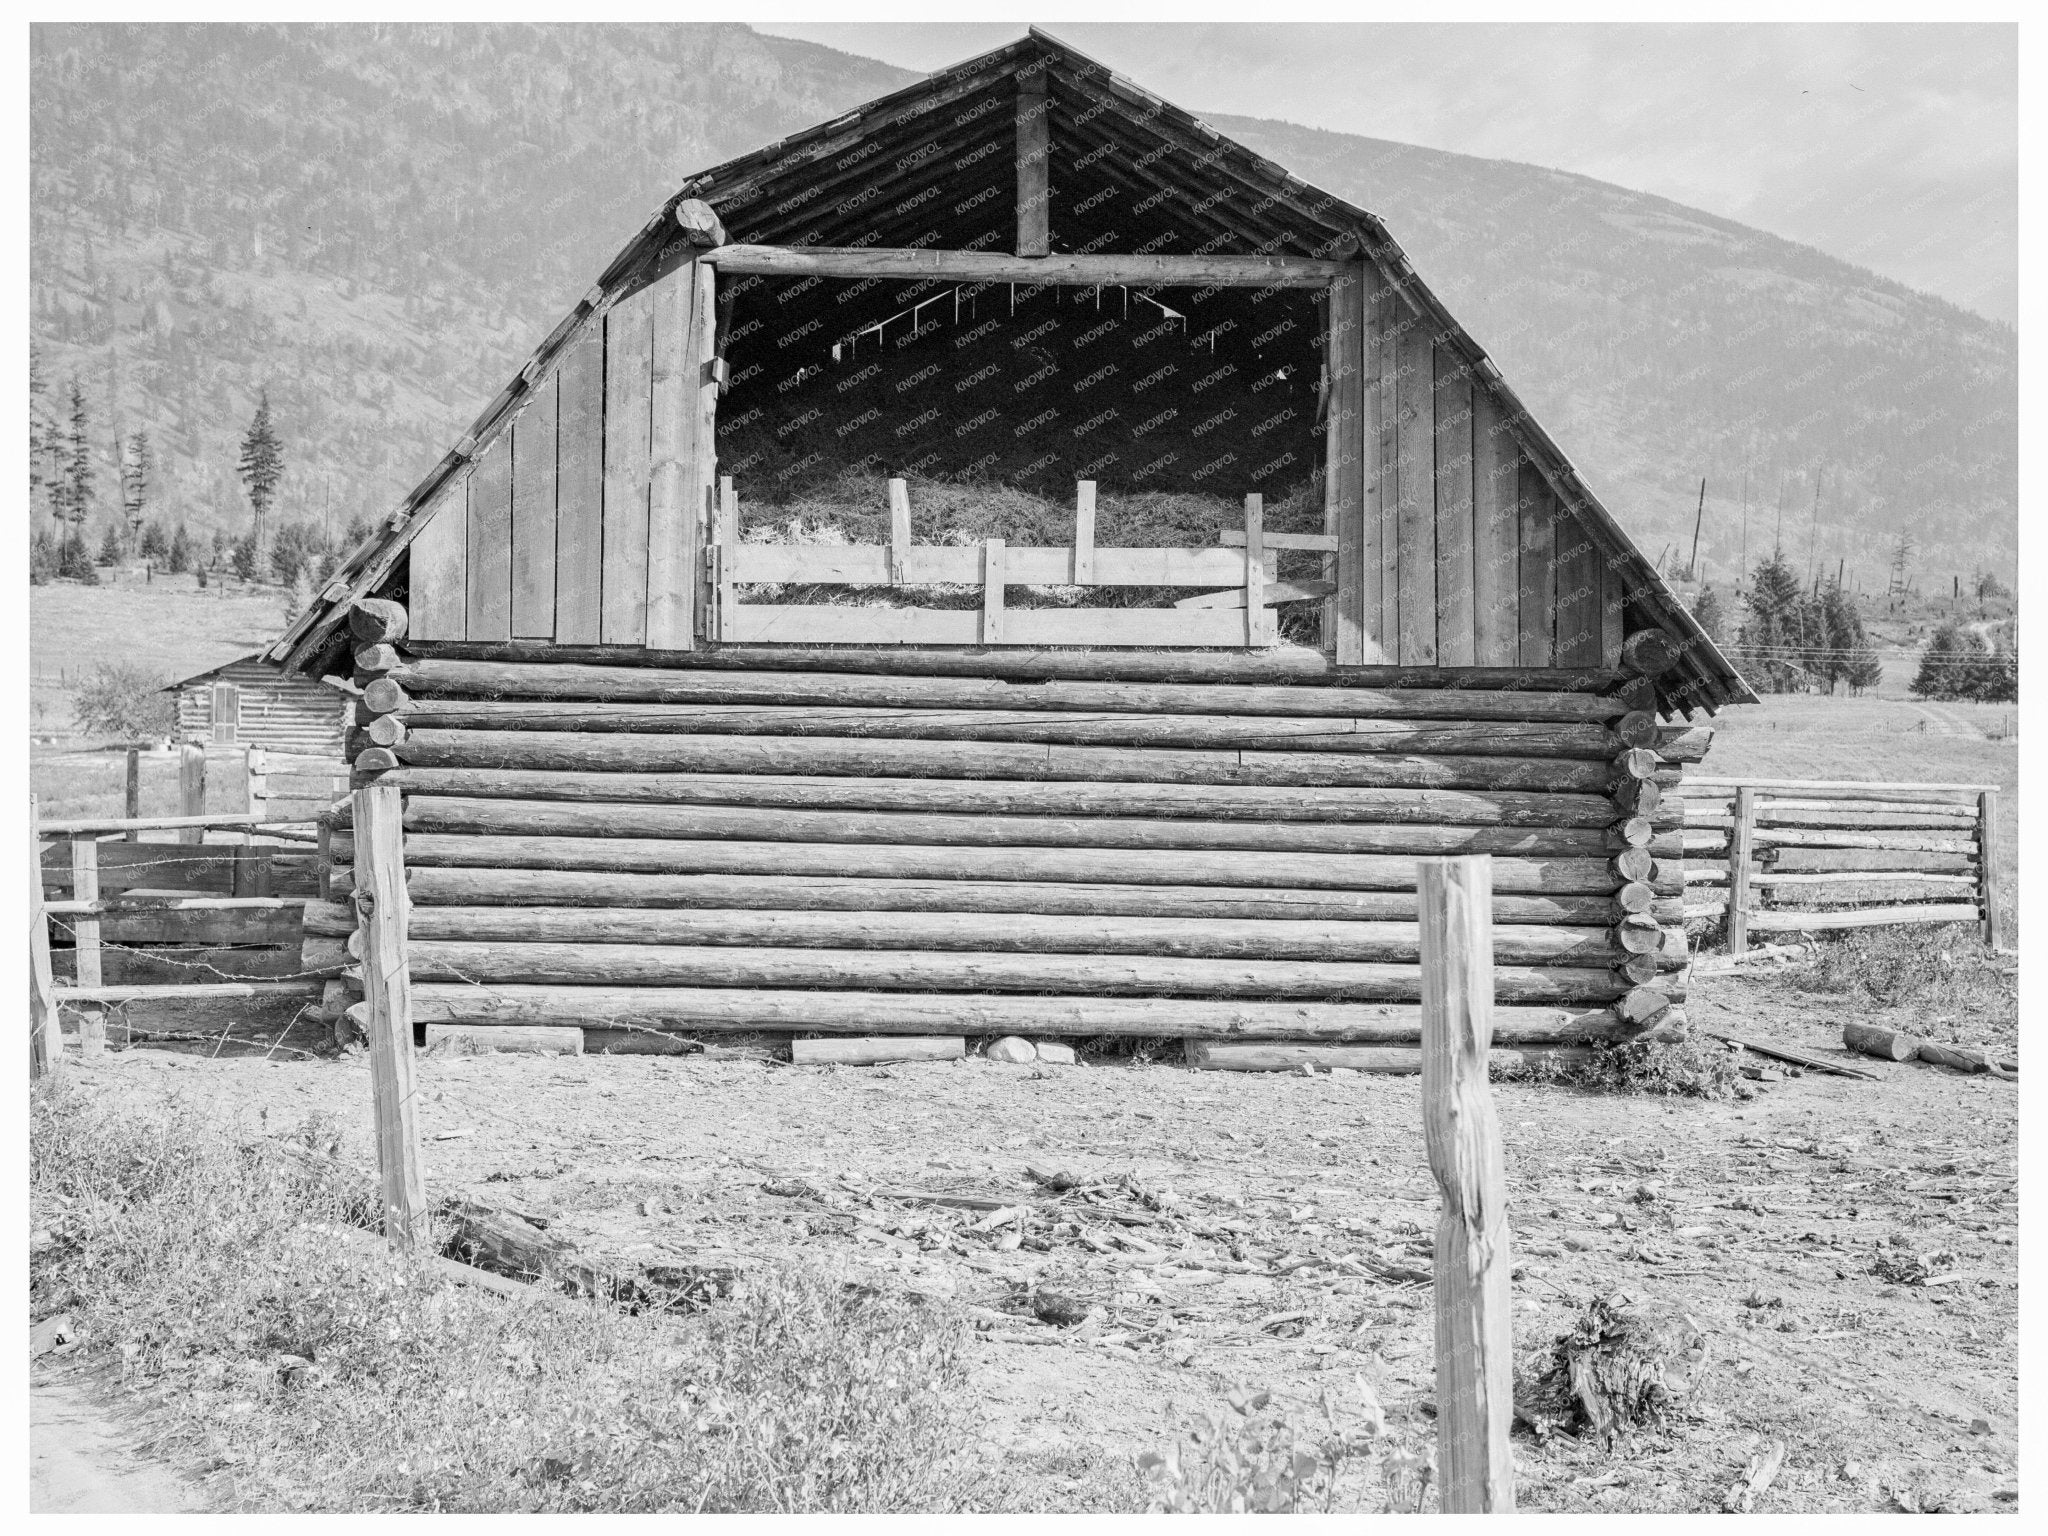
column 256, row 702
column 642, row 800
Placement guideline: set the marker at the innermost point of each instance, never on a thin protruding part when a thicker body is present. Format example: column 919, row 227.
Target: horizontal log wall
column 870, row 852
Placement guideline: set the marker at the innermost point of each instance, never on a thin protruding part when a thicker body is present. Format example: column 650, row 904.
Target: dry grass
column 310, row 1368
column 1938, row 982
column 168, row 626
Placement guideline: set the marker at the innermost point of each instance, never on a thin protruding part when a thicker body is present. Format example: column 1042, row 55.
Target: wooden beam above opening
column 994, row 267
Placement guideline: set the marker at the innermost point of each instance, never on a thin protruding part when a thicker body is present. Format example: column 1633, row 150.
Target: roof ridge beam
column 1059, row 269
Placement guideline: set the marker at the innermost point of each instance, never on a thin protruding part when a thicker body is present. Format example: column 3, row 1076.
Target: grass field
column 167, row 626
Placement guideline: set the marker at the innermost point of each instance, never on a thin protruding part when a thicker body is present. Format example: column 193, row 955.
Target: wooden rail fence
column 1809, row 855
column 114, row 921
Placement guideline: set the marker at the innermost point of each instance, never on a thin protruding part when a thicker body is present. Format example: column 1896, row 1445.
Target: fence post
column 387, row 991
column 192, row 789
column 133, row 801
column 1739, row 840
column 1474, row 1319
column 45, row 1036
column 85, row 935
column 1990, row 878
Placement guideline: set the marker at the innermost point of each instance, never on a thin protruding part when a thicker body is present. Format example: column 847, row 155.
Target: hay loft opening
column 1209, row 392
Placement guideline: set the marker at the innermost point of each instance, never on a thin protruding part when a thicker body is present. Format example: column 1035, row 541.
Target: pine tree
column 75, row 472
column 181, row 550
column 301, row 596
column 137, row 462
column 1775, row 634
column 154, row 544
column 1845, row 641
column 261, row 464
column 1948, row 663
column 111, row 550
column 1707, row 613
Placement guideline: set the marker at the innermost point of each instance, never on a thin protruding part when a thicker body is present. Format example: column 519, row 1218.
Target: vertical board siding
column 533, row 517
column 1578, row 596
column 436, row 604
column 671, row 564
column 1415, row 451
column 1349, row 501
column 1538, row 575
column 1391, row 319
column 1376, row 644
column 698, row 444
column 1613, row 589
column 579, row 491
column 1496, row 524
column 1455, row 628
column 628, row 382
column 489, row 573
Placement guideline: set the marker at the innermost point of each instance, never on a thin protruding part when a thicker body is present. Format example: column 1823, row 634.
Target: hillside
column 377, row 223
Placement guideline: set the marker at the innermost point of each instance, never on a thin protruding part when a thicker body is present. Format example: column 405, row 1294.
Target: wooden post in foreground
column 1739, row 839
column 387, row 992
column 133, row 798
column 1474, row 1335
column 1990, row 878
column 45, row 1037
column 85, row 938
column 192, row 789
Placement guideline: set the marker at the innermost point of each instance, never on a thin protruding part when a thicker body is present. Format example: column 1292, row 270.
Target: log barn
column 673, row 762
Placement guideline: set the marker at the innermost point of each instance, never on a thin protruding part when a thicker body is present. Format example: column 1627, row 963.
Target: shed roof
column 1203, row 192
column 266, row 658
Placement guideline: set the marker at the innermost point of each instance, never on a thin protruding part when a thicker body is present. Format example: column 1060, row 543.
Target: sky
column 1895, row 147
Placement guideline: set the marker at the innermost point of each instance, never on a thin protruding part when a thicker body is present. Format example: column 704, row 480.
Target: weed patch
column 281, row 1347
column 1693, row 1068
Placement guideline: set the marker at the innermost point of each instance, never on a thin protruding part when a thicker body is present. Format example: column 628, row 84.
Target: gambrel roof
column 911, row 167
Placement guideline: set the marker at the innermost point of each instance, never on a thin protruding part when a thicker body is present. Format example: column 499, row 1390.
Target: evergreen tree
column 1775, row 633
column 296, row 550
column 1842, row 624
column 1948, row 664
column 42, row 557
column 301, row 596
column 1707, row 612
column 261, row 464
column 137, row 462
column 181, row 550
column 244, row 556
column 75, row 473
column 154, row 545
column 111, row 545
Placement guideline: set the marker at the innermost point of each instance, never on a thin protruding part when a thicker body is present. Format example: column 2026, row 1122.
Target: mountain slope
column 378, row 223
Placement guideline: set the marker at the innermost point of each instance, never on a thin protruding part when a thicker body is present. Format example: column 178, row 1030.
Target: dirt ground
column 80, row 1456
column 1280, row 1238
